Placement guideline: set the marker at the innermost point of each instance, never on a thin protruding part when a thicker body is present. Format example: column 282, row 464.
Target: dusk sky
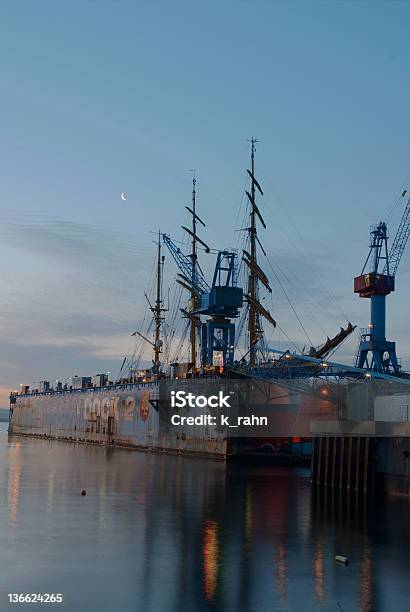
column 97, row 98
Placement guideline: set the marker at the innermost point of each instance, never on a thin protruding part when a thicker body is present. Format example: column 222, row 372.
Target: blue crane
column 191, row 275
column 220, row 301
column 399, row 243
column 375, row 352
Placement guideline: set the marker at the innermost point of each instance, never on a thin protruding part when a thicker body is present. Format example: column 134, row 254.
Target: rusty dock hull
column 120, row 415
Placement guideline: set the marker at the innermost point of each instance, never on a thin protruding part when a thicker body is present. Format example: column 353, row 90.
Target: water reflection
column 319, row 570
column 13, row 488
column 366, row 580
column 171, row 533
column 281, row 571
column 210, row 559
column 51, row 476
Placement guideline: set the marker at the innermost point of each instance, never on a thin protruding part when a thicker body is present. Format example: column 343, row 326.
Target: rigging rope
column 290, row 303
column 304, row 256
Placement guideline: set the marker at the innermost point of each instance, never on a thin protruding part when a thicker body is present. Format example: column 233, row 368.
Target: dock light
column 368, row 375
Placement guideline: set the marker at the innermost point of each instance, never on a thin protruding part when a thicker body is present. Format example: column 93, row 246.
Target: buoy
column 83, row 492
column 342, row 559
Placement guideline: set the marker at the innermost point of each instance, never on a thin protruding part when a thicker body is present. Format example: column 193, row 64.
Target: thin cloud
column 70, row 242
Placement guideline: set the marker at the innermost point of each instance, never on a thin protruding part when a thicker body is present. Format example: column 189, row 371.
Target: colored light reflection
column 319, row 570
column 210, row 558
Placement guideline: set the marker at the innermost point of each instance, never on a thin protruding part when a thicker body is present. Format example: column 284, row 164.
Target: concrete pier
column 360, row 458
column 344, row 463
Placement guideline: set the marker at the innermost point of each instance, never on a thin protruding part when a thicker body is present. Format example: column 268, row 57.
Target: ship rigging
column 255, row 273
column 220, row 300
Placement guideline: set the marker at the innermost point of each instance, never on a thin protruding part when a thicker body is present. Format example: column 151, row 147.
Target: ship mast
column 158, row 309
column 194, row 258
column 253, row 316
column 194, row 268
column 256, row 274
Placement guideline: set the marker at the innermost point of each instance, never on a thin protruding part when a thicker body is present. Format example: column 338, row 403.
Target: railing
column 125, row 386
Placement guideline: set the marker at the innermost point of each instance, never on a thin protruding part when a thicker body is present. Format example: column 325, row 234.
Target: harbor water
column 166, row 533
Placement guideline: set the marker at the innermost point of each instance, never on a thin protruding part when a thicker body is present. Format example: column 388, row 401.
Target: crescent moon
column 123, row 196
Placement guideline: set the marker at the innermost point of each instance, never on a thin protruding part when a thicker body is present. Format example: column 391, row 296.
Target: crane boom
column 220, row 302
column 399, row 243
column 184, row 263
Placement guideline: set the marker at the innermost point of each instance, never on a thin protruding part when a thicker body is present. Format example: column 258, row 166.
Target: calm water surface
column 162, row 533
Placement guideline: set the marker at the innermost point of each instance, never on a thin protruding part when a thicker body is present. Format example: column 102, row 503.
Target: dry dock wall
column 364, row 456
column 124, row 415
column 393, row 465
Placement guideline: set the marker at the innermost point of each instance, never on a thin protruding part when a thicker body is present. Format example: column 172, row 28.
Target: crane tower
column 375, row 351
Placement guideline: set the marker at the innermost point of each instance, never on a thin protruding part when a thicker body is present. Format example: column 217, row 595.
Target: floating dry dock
column 141, row 416
column 121, row 415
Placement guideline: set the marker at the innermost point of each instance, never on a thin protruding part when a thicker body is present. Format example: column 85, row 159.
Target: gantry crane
column 375, row 352
column 221, row 302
